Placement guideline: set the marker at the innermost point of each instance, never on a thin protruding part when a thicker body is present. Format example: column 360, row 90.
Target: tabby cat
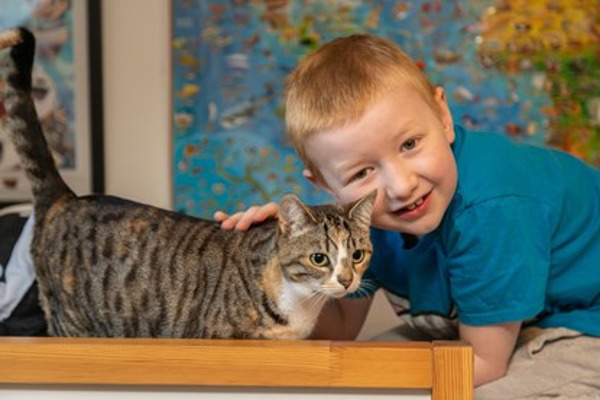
column 111, row 267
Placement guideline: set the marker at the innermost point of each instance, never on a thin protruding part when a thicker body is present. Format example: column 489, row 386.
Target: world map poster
column 526, row 69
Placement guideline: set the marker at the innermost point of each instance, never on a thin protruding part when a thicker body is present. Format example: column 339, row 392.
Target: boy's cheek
column 343, row 196
column 348, row 196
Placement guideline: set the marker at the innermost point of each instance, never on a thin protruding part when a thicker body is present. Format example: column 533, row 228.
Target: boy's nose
column 400, row 182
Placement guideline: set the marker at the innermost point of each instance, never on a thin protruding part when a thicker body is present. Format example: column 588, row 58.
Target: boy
column 500, row 233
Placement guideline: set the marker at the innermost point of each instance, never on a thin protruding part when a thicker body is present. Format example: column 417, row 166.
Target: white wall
column 136, row 99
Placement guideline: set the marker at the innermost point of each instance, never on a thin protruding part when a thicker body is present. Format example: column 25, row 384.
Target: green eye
column 319, row 259
column 358, row 256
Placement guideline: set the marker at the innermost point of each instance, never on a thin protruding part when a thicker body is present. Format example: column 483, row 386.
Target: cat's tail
column 22, row 124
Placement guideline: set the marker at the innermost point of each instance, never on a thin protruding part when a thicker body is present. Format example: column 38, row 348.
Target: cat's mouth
column 339, row 292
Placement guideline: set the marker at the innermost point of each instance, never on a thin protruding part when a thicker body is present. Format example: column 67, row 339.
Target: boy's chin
column 419, row 228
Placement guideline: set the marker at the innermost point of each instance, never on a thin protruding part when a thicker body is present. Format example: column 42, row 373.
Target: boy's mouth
column 412, row 206
column 416, row 208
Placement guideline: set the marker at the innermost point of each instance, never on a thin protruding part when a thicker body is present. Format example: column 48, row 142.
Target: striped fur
column 111, row 267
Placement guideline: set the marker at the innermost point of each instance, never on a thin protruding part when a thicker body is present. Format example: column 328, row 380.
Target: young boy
column 501, row 234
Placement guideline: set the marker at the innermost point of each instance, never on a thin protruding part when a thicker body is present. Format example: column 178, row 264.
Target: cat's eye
column 319, row 259
column 358, row 256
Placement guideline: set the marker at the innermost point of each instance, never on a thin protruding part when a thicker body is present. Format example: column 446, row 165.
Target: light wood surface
column 444, row 367
column 451, row 360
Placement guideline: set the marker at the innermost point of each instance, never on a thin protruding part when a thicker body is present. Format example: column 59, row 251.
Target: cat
column 111, row 267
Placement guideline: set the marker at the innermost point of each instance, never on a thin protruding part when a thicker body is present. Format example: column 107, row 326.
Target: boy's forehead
column 395, row 109
column 339, row 148
column 392, row 116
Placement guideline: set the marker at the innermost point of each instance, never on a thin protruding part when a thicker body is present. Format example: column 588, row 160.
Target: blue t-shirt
column 520, row 240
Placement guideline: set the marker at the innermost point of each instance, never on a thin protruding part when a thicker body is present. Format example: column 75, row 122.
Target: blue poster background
column 528, row 69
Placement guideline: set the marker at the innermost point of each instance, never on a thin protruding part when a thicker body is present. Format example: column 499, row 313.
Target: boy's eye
column 409, row 144
column 360, row 174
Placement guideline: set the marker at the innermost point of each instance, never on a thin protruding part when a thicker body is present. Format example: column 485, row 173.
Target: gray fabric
column 555, row 364
column 549, row 364
column 418, row 332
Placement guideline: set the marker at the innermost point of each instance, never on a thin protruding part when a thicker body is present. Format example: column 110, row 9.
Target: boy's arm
column 493, row 346
column 342, row 319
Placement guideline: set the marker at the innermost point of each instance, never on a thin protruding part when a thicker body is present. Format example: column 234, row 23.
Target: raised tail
column 21, row 121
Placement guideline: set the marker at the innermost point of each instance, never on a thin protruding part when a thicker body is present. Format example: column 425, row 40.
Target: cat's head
column 325, row 249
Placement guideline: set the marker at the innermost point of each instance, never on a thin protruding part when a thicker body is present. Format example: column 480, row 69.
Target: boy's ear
column 309, row 176
column 318, row 183
column 445, row 114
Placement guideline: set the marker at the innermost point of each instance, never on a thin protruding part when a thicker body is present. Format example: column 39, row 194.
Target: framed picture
column 528, row 70
column 67, row 90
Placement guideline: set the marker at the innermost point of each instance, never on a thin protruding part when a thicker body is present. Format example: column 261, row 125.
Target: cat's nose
column 345, row 282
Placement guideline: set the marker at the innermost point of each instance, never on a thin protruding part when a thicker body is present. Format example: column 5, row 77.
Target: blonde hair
column 336, row 84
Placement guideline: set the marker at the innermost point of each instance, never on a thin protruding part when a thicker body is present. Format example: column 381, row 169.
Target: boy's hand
column 242, row 220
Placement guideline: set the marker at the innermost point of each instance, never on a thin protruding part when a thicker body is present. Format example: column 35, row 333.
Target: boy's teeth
column 415, row 204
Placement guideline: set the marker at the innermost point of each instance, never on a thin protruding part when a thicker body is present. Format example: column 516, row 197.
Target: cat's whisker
column 312, row 301
column 367, row 284
column 364, row 292
column 311, row 298
column 365, row 289
column 319, row 301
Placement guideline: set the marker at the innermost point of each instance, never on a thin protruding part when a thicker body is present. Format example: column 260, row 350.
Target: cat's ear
column 362, row 208
column 294, row 215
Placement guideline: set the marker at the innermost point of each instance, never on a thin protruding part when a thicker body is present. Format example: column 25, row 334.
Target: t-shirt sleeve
column 498, row 260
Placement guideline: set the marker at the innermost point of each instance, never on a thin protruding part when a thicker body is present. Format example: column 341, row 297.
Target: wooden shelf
column 446, row 368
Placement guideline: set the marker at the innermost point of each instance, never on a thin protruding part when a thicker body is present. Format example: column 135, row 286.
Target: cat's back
column 96, row 216
column 112, row 267
column 107, row 232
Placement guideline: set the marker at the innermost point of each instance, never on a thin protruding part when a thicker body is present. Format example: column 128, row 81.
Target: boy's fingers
column 242, row 220
column 256, row 214
column 269, row 210
column 247, row 218
column 220, row 216
column 228, row 224
column 227, row 221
